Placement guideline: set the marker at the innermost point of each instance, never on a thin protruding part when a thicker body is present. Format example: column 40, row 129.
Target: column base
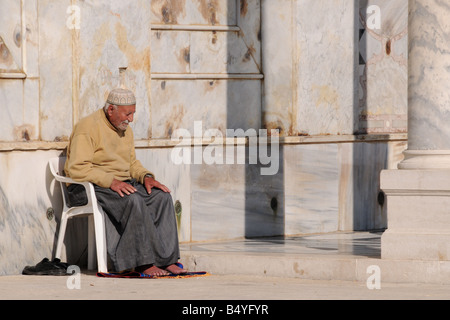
column 418, row 212
column 425, row 160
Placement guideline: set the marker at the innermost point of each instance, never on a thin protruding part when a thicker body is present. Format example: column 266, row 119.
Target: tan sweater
column 98, row 153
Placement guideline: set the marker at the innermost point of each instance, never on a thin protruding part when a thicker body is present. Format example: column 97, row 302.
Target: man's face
column 121, row 116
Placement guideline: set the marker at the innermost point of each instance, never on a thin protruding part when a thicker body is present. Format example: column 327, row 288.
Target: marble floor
column 364, row 244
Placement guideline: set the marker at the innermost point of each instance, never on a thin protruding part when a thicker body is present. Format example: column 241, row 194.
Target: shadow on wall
column 369, row 159
column 264, row 191
column 264, row 197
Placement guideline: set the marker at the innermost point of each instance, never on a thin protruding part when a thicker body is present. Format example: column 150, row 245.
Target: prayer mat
column 135, row 275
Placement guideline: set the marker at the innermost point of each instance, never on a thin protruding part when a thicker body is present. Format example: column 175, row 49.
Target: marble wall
column 210, row 50
column 26, row 192
column 318, row 187
column 383, row 66
column 429, row 72
column 314, row 70
column 19, row 71
column 331, row 69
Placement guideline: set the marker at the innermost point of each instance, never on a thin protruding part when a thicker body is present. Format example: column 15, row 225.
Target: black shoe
column 60, row 264
column 45, row 267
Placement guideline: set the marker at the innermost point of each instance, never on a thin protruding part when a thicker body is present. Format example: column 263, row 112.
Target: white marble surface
column 218, row 202
column 218, row 104
column 170, row 52
column 311, row 188
column 418, row 195
column 220, row 52
column 318, row 189
column 196, row 12
column 201, row 52
column 70, row 70
column 55, row 70
column 304, row 49
column 429, row 75
column 280, row 65
column 383, row 76
column 359, row 186
column 309, row 63
column 11, row 33
column 419, row 223
column 220, row 101
column 333, row 187
column 314, row 83
column 26, row 235
column 307, row 89
column 235, row 201
column 327, row 64
column 19, row 98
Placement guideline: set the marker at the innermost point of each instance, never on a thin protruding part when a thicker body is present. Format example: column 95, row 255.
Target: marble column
column 429, row 86
column 418, row 194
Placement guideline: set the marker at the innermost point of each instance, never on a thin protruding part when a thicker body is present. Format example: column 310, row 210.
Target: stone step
column 338, row 256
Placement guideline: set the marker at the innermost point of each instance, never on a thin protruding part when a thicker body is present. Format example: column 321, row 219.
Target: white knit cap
column 121, row 97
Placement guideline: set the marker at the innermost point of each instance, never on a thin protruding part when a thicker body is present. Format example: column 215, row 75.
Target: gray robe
column 141, row 228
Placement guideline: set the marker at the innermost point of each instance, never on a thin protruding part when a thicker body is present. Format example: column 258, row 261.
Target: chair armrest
column 88, row 186
column 70, row 180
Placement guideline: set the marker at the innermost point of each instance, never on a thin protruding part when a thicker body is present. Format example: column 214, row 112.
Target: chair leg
column 91, row 243
column 100, row 239
column 62, row 232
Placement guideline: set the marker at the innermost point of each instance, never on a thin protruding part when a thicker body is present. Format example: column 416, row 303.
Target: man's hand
column 122, row 187
column 150, row 183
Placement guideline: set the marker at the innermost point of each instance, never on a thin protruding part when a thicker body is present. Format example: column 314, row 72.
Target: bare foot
column 152, row 270
column 174, row 269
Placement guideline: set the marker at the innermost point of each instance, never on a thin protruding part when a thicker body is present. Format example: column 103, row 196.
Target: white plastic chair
column 96, row 233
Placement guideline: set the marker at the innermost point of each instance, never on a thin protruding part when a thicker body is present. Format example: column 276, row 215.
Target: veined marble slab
column 361, row 204
column 55, row 70
column 218, row 104
column 314, row 82
column 186, row 12
column 312, row 188
column 383, row 76
column 280, row 64
column 325, row 36
column 26, row 191
column 429, row 75
column 11, row 37
column 235, row 201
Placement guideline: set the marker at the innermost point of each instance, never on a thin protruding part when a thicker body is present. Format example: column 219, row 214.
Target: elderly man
column 141, row 227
